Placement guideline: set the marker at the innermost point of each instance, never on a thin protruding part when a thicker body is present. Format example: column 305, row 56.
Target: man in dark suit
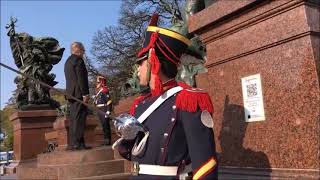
column 77, row 85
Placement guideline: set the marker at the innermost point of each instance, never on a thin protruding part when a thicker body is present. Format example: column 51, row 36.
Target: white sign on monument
column 252, row 98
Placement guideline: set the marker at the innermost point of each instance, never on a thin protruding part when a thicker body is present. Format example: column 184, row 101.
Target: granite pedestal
column 59, row 135
column 280, row 40
column 29, row 128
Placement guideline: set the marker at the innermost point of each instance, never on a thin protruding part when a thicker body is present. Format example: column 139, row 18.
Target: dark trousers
column 78, row 115
column 105, row 125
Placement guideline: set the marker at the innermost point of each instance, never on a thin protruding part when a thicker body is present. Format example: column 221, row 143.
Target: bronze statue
column 132, row 86
column 36, row 57
column 192, row 62
column 194, row 6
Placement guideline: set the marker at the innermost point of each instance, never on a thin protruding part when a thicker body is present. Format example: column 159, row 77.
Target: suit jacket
column 76, row 77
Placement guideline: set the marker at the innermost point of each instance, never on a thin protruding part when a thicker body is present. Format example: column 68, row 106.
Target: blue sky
column 67, row 21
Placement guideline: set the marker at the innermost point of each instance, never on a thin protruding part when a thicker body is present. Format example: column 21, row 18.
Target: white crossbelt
column 96, row 96
column 101, row 105
column 158, row 102
column 158, row 170
column 137, row 149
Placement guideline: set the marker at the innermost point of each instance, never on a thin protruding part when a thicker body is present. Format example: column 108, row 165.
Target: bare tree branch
column 114, row 48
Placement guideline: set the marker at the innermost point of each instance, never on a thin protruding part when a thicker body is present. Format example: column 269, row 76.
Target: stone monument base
column 59, row 135
column 29, row 128
column 278, row 42
column 97, row 163
column 36, row 107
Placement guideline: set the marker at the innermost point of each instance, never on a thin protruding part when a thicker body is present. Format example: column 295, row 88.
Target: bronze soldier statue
column 35, row 57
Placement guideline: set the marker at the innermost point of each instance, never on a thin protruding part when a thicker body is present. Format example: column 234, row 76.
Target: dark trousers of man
column 78, row 115
column 105, row 125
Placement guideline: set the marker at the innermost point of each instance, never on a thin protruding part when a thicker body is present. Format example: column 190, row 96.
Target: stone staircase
column 104, row 163
column 97, row 163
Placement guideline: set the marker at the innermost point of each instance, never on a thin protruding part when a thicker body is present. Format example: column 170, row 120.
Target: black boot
column 106, row 142
column 106, row 133
column 82, row 145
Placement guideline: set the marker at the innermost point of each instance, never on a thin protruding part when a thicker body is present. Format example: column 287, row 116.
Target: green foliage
column 114, row 48
column 6, row 128
column 60, row 98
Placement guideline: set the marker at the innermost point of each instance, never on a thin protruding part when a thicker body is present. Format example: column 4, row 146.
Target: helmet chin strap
column 148, row 69
column 153, row 69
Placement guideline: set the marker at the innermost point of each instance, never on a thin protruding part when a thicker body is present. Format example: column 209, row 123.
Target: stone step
column 37, row 173
column 12, row 167
column 31, row 171
column 119, row 176
column 275, row 173
column 72, row 157
column 117, row 155
column 94, row 169
column 69, row 171
column 9, row 177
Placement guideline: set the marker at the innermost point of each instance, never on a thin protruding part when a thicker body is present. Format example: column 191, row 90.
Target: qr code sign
column 252, row 90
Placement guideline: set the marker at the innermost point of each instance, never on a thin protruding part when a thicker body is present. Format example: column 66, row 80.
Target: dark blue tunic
column 177, row 138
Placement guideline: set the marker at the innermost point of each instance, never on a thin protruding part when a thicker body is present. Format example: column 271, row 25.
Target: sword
column 125, row 124
column 50, row 87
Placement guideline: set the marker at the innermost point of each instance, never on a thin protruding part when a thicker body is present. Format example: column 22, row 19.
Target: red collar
column 165, row 86
column 169, row 84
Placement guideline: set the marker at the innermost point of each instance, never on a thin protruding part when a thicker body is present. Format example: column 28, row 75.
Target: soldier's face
column 98, row 85
column 143, row 72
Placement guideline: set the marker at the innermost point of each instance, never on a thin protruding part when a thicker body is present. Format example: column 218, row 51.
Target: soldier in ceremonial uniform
column 180, row 142
column 103, row 101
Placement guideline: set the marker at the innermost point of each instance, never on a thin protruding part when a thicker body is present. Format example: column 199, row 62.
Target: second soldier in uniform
column 103, row 101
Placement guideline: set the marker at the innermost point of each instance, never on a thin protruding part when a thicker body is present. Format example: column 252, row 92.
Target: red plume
column 154, row 19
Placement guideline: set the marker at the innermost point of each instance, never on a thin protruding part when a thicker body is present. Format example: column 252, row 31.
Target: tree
column 58, row 96
column 6, row 128
column 114, row 47
column 12, row 100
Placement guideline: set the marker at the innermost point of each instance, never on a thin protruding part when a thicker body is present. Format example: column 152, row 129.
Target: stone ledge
column 120, row 176
column 31, row 114
column 290, row 24
column 72, row 157
column 271, row 173
column 217, row 11
column 70, row 171
column 250, row 17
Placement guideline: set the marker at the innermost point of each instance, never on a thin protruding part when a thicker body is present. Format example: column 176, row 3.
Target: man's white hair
column 76, row 48
column 78, row 44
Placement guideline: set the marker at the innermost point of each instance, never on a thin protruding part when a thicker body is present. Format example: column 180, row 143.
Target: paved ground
column 221, row 177
column 8, row 177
